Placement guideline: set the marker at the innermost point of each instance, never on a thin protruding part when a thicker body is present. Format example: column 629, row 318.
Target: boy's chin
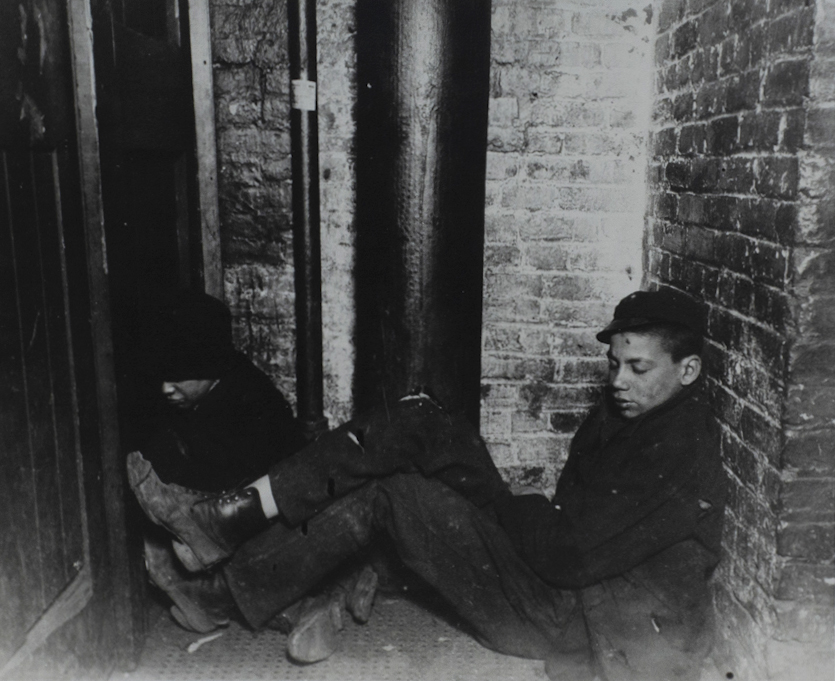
column 629, row 410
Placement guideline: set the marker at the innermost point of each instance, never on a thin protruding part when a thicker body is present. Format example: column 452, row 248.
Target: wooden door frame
column 120, row 588
column 113, row 466
column 79, row 593
column 200, row 37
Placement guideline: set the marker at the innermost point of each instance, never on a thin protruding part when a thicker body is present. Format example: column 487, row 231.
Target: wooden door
column 57, row 545
column 152, row 222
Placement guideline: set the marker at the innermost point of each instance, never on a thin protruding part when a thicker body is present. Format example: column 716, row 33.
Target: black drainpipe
column 304, row 140
column 423, row 69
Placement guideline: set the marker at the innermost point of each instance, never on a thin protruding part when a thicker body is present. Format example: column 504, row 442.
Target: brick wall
column 738, row 217
column 740, row 102
column 805, row 590
column 251, row 80
column 566, row 190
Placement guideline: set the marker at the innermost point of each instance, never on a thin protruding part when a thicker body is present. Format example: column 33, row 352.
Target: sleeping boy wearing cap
column 610, row 575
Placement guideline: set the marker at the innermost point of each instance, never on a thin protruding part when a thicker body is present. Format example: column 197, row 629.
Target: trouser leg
column 277, row 567
column 414, row 435
column 442, row 537
column 462, row 553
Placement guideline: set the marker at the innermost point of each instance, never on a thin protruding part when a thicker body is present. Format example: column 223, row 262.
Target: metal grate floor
column 402, row 642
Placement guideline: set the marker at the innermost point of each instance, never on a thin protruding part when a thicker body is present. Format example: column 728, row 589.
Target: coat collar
column 616, row 425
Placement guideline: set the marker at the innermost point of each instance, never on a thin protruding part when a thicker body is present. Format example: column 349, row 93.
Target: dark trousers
column 454, row 546
column 413, row 435
column 425, row 479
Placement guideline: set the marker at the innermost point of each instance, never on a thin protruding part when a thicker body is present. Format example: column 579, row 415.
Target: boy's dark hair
column 680, row 341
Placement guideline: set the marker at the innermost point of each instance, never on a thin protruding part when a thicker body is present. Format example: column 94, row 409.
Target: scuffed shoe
column 195, row 622
column 201, row 604
column 212, row 527
column 316, row 634
column 361, row 599
column 186, row 556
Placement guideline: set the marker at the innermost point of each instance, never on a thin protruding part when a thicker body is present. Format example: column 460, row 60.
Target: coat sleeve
column 654, row 498
column 541, row 534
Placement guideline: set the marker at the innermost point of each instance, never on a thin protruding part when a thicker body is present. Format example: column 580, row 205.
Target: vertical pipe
column 423, row 68
column 304, row 139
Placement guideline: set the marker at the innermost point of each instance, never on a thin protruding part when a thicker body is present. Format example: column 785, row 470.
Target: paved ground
column 401, row 642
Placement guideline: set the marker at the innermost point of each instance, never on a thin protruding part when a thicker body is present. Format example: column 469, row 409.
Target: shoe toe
column 316, row 635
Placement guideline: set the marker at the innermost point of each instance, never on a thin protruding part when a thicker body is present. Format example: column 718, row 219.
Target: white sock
column 265, row 493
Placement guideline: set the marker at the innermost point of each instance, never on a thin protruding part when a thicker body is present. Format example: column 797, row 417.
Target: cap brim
column 617, row 325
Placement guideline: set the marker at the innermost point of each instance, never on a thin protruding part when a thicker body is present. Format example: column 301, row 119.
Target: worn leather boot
column 315, row 635
column 202, row 603
column 212, row 527
column 361, row 596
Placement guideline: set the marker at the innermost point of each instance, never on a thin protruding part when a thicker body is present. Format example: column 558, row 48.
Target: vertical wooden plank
column 35, row 355
column 20, row 578
column 127, row 628
column 48, row 485
column 16, row 600
column 206, row 144
column 63, row 465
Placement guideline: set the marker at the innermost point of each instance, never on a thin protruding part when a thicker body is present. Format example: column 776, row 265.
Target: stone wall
column 566, row 190
column 251, row 80
column 738, row 180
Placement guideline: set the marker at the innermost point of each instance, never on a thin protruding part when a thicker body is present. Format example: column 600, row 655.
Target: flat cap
column 643, row 308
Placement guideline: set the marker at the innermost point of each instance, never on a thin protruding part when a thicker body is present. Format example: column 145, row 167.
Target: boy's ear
column 691, row 368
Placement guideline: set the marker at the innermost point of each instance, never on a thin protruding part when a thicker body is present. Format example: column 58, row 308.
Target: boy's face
column 642, row 374
column 186, row 394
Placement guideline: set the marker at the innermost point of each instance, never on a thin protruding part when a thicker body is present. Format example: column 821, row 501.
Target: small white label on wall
column 303, row 95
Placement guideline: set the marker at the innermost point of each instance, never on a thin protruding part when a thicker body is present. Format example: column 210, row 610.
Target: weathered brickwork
column 805, row 593
column 251, row 80
column 741, row 216
column 566, row 190
column 734, row 204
